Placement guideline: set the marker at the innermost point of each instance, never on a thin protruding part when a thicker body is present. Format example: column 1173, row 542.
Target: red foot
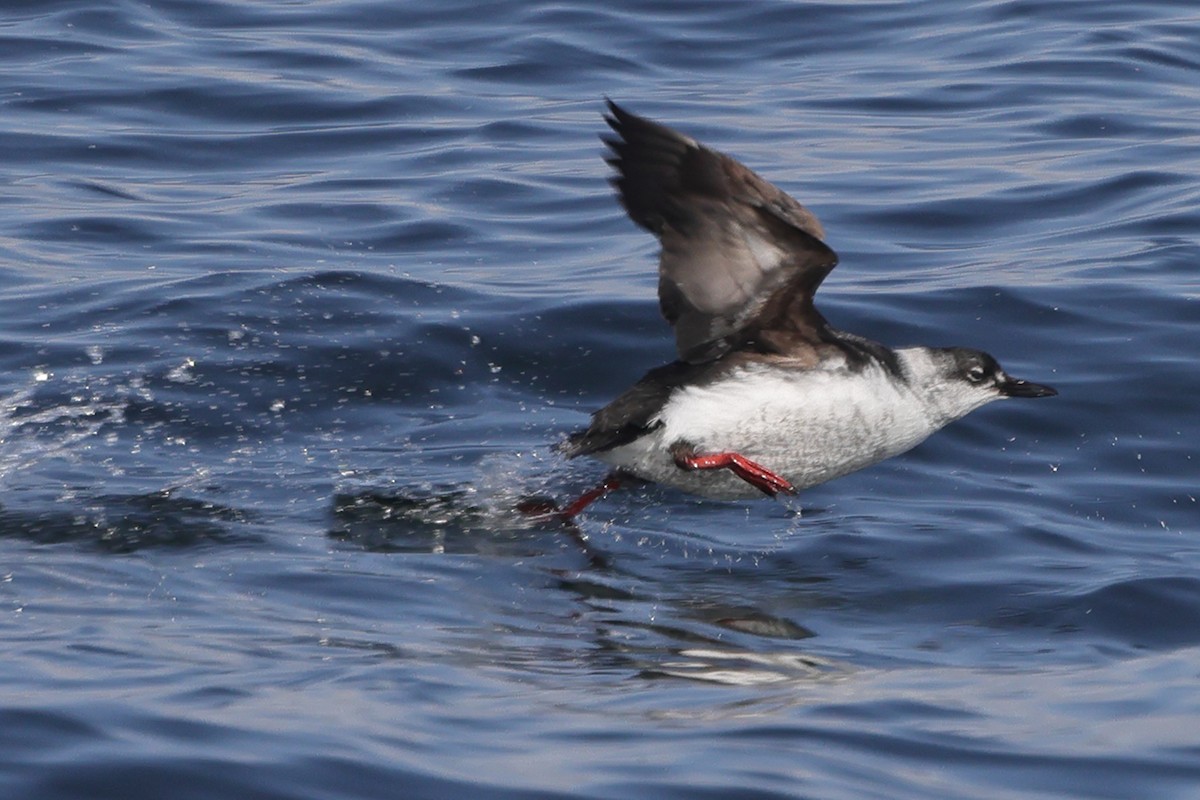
column 754, row 474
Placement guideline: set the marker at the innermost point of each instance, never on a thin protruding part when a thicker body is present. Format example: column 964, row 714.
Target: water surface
column 296, row 299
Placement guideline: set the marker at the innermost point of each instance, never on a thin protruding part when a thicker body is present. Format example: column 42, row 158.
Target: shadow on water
column 692, row 628
column 127, row 523
column 449, row 520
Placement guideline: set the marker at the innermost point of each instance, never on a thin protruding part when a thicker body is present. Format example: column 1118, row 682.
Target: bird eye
column 976, row 374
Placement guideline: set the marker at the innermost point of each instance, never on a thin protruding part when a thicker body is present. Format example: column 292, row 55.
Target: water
column 296, row 297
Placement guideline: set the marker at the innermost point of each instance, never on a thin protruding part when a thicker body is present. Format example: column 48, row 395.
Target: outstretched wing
column 739, row 256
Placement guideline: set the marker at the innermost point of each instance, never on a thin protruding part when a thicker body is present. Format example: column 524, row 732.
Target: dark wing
column 739, row 256
column 628, row 417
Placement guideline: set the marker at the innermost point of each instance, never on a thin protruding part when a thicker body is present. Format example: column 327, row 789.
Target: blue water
column 294, row 299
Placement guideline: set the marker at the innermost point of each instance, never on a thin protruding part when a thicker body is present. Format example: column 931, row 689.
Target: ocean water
column 295, row 299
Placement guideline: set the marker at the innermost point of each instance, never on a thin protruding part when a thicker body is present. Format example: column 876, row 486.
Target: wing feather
column 739, row 255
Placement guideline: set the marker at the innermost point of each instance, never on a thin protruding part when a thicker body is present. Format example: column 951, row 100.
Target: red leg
column 543, row 508
column 754, row 474
column 611, row 483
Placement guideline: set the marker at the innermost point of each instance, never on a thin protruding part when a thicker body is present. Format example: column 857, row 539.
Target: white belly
column 807, row 426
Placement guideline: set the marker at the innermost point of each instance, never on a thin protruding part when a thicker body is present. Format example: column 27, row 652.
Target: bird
column 766, row 398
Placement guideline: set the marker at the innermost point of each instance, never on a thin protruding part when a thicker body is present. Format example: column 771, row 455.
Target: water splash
column 34, row 430
column 54, row 431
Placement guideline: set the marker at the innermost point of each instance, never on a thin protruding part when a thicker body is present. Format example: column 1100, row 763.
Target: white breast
column 809, row 426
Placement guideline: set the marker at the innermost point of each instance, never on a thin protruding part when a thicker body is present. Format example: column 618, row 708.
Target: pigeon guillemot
column 766, row 397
